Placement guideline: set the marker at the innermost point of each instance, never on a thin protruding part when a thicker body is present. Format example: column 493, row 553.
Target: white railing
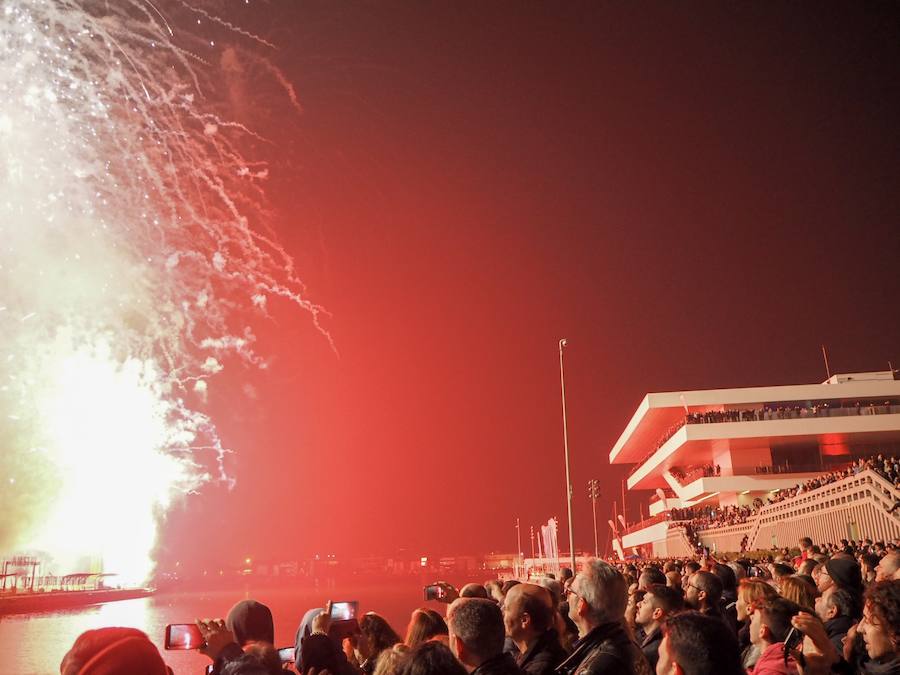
column 852, row 508
column 728, row 538
column 677, row 543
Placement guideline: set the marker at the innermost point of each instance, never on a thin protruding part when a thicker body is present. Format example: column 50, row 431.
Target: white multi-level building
column 748, row 447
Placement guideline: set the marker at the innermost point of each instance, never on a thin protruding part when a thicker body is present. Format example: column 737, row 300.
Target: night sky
column 695, row 195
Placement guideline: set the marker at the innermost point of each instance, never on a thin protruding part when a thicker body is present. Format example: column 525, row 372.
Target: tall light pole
column 562, row 385
column 594, row 494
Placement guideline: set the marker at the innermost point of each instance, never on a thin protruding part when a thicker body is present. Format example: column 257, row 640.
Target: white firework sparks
column 127, row 253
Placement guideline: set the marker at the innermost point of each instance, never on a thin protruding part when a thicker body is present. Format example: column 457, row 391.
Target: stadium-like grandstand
column 759, row 467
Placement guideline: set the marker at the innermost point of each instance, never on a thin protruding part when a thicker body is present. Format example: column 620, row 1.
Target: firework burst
column 131, row 248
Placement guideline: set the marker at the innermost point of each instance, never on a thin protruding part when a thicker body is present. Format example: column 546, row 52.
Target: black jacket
column 504, row 664
column 543, row 656
column 729, row 611
column 743, row 634
column 650, row 647
column 837, row 628
column 606, row 650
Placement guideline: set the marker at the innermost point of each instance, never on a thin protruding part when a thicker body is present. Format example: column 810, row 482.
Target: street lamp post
column 562, row 385
column 594, row 494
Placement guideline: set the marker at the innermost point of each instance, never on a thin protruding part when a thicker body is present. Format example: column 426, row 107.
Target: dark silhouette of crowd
column 828, row 608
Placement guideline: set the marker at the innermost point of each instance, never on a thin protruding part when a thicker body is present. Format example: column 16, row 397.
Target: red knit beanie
column 113, row 651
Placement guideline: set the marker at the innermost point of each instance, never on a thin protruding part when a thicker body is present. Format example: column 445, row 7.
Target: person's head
column 704, row 591
column 752, row 591
column 651, row 575
column 508, row 584
column 473, row 590
column 771, row 621
column 251, row 621
column 565, row 573
column 780, row 572
column 696, row 644
column 494, row 588
column 690, row 567
column 390, row 661
column 806, row 567
column 597, row 595
column 433, row 658
column 476, row 630
column 805, row 543
column 888, row 567
column 880, row 625
column 739, row 571
column 375, row 635
column 726, row 576
column 822, row 578
column 424, row 624
column 317, row 651
column 631, row 605
column 673, row 580
column 833, row 603
column 799, row 591
column 105, row 651
column 259, row 658
column 845, row 572
column 659, row 603
column 554, row 587
column 528, row 612
column 868, row 562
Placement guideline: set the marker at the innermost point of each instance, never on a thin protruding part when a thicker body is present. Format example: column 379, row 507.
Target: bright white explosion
column 129, row 245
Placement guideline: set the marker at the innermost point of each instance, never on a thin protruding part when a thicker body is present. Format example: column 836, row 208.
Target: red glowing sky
column 695, row 198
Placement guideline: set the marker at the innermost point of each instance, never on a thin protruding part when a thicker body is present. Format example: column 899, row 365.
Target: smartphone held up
column 435, row 592
column 183, row 636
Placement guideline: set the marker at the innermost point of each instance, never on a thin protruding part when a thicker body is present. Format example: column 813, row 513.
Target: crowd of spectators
column 887, row 467
column 692, row 473
column 723, row 516
column 782, row 412
column 696, row 615
column 813, row 610
column 708, row 517
column 772, row 412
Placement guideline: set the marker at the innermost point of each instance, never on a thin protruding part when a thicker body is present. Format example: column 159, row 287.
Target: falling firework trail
column 128, row 256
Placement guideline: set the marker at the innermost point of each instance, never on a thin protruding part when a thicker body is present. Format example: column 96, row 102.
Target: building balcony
column 703, row 442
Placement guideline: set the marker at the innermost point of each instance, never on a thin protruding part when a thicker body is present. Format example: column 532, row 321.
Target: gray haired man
column 597, row 599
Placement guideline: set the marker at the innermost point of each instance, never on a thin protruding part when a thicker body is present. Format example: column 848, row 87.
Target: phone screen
column 343, row 611
column 434, row 592
column 183, row 636
column 287, row 655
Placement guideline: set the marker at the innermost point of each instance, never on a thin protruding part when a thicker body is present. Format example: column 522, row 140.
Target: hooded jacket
column 251, row 621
